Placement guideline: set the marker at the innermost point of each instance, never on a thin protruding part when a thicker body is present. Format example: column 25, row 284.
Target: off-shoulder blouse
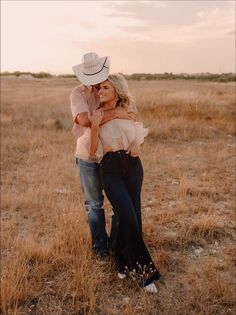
column 115, row 135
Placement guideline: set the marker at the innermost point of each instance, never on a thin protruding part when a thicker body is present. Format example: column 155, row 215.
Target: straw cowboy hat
column 93, row 69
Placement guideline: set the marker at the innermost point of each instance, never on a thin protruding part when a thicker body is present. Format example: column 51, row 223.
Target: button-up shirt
column 82, row 100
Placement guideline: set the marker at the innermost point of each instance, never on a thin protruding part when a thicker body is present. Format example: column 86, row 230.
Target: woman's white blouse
column 114, row 135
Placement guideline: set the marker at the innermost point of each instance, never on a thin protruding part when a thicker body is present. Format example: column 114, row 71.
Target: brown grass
column 188, row 203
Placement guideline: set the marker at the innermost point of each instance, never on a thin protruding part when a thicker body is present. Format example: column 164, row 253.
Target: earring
column 117, row 98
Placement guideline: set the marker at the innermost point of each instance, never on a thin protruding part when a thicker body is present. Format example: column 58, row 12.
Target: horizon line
column 137, row 73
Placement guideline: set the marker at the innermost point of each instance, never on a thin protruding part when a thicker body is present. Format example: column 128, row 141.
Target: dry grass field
column 188, row 203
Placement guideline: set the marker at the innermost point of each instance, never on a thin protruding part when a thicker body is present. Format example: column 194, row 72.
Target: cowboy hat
column 93, row 69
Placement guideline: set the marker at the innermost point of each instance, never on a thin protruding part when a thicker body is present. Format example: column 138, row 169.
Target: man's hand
column 117, row 113
column 82, row 120
column 133, row 149
column 95, row 117
column 121, row 113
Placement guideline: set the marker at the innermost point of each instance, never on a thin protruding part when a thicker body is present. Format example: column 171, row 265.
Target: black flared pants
column 122, row 177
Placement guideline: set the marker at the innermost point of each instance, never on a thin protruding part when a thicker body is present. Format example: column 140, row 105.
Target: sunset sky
column 139, row 36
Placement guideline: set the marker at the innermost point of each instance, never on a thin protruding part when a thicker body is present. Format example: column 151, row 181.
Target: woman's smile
column 107, row 92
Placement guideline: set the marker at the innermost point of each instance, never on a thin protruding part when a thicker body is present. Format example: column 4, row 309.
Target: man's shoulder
column 79, row 89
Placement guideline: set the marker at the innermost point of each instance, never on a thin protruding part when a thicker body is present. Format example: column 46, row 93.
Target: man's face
column 97, row 86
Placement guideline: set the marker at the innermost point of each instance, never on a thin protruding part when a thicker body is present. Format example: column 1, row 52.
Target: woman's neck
column 109, row 105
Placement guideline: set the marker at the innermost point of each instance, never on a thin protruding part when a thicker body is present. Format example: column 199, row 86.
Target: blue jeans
column 93, row 201
column 122, row 177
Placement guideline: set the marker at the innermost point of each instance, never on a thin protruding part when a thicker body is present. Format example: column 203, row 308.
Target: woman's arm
column 140, row 134
column 95, row 119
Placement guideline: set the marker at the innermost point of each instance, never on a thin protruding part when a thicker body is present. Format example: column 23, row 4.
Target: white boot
column 151, row 288
column 121, row 275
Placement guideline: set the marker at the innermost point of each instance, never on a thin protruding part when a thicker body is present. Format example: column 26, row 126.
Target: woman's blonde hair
column 124, row 98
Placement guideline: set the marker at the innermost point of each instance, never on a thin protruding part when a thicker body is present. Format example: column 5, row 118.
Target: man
column 84, row 99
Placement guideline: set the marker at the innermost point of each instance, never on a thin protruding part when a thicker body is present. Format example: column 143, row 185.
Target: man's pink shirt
column 82, row 100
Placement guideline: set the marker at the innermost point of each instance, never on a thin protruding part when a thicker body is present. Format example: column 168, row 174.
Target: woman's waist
column 114, row 148
column 113, row 144
column 117, row 152
column 120, row 164
column 117, row 159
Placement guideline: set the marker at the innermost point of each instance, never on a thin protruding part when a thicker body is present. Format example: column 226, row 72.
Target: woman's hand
column 96, row 117
column 133, row 149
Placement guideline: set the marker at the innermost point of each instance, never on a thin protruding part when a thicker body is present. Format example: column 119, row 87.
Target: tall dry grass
column 188, row 203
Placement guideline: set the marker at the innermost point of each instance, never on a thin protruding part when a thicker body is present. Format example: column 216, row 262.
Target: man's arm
column 82, row 120
column 79, row 108
column 119, row 113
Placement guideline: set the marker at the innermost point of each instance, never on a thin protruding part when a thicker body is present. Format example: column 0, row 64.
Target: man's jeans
column 93, row 201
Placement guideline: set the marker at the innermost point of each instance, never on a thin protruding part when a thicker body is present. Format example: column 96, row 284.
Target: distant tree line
column 38, row 75
column 222, row 77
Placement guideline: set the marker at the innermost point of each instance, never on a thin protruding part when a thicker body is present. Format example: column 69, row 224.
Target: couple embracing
column 108, row 141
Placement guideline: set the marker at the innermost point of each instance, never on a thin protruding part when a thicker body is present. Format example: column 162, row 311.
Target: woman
column 122, row 175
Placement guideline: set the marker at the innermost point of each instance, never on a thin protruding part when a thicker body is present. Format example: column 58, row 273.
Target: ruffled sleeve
column 140, row 132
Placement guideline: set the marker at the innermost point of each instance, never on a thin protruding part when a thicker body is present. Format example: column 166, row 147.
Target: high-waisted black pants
column 122, row 177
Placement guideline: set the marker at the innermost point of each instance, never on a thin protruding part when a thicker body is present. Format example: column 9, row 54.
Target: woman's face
column 107, row 92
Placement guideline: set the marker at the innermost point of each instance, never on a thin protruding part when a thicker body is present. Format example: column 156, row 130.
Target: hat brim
column 94, row 78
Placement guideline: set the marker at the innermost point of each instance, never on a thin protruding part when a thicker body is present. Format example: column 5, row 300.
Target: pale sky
column 139, row 36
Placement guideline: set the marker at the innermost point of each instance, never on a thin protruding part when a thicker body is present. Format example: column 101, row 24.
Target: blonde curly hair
column 125, row 99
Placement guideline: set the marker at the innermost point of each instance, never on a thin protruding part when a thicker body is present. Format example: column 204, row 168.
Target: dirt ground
column 188, row 203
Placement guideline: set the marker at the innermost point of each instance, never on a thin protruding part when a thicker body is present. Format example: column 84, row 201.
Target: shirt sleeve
column 140, row 133
column 78, row 103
